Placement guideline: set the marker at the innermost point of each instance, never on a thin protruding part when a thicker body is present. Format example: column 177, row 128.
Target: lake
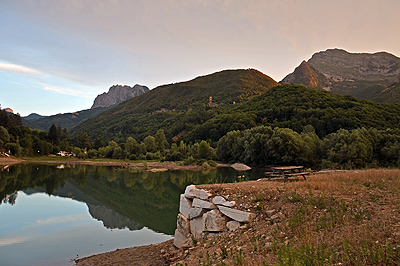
column 52, row 214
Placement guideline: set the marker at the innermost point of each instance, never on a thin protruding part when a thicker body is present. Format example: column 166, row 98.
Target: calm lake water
column 52, row 214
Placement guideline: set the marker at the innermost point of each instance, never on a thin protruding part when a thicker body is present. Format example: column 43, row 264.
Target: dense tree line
column 258, row 146
column 357, row 148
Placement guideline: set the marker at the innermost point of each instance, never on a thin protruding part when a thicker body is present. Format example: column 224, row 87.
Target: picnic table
column 288, row 171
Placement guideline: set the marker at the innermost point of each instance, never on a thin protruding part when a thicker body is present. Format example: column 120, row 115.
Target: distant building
column 211, row 104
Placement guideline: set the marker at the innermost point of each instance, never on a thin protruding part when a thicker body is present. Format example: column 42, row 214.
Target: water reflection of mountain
column 146, row 198
column 110, row 218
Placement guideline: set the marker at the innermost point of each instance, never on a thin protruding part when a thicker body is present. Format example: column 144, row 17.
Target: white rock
column 203, row 204
column 196, row 212
column 193, row 192
column 233, row 225
column 218, row 200
column 183, row 225
column 214, row 221
column 229, row 203
column 185, row 205
column 237, row 215
column 196, row 227
column 240, row 167
column 179, row 239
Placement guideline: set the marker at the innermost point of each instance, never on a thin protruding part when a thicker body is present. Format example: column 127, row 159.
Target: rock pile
column 203, row 213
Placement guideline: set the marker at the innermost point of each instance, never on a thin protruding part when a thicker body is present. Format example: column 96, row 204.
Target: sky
column 56, row 56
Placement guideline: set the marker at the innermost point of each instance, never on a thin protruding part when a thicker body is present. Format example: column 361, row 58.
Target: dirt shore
column 8, row 160
column 150, row 166
column 339, row 218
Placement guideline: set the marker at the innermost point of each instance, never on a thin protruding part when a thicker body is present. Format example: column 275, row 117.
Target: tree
column 131, row 146
column 161, row 141
column 54, row 135
column 205, row 151
column 82, row 141
column 4, row 136
column 150, row 143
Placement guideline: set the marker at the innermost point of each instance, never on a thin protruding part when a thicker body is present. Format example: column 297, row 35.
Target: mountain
column 67, row 120
column 295, row 106
column 117, row 94
column 177, row 107
column 361, row 75
column 33, row 116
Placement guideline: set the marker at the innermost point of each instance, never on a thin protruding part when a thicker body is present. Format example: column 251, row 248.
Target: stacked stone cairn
column 202, row 213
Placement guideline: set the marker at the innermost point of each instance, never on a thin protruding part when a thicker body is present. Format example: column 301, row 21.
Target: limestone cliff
column 117, row 94
column 361, row 75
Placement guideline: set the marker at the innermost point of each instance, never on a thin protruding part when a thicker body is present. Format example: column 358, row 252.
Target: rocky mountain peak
column 362, row 75
column 306, row 75
column 117, row 94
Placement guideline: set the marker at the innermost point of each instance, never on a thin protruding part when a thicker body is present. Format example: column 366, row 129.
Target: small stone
column 193, row 192
column 233, row 225
column 218, row 200
column 275, row 218
column 188, row 243
column 270, row 213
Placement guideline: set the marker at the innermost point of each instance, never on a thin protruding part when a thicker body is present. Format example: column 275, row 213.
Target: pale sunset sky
column 56, row 56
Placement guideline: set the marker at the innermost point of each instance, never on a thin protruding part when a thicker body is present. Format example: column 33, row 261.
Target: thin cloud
column 71, row 92
column 62, row 219
column 17, row 69
column 13, row 240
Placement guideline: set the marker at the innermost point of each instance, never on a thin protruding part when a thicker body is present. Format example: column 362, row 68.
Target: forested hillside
column 295, row 106
column 177, row 107
column 67, row 120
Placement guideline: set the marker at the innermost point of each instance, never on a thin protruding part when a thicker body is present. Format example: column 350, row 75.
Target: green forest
column 286, row 125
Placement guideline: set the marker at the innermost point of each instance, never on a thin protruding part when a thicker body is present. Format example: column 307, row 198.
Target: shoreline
column 149, row 166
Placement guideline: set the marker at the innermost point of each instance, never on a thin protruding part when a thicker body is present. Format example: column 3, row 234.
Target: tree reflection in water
column 141, row 198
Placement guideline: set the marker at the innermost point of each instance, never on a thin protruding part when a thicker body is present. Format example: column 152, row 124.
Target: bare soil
column 335, row 218
column 8, row 160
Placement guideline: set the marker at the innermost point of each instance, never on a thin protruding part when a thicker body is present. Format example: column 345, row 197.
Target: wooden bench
column 287, row 171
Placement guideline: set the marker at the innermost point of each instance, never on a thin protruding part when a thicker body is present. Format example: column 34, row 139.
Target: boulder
column 203, row 204
column 240, row 167
column 183, row 225
column 185, row 205
column 196, row 227
column 214, row 221
column 196, row 212
column 193, row 192
column 237, row 215
column 179, row 239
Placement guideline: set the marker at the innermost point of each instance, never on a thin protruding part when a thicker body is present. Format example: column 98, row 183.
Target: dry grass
column 337, row 218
